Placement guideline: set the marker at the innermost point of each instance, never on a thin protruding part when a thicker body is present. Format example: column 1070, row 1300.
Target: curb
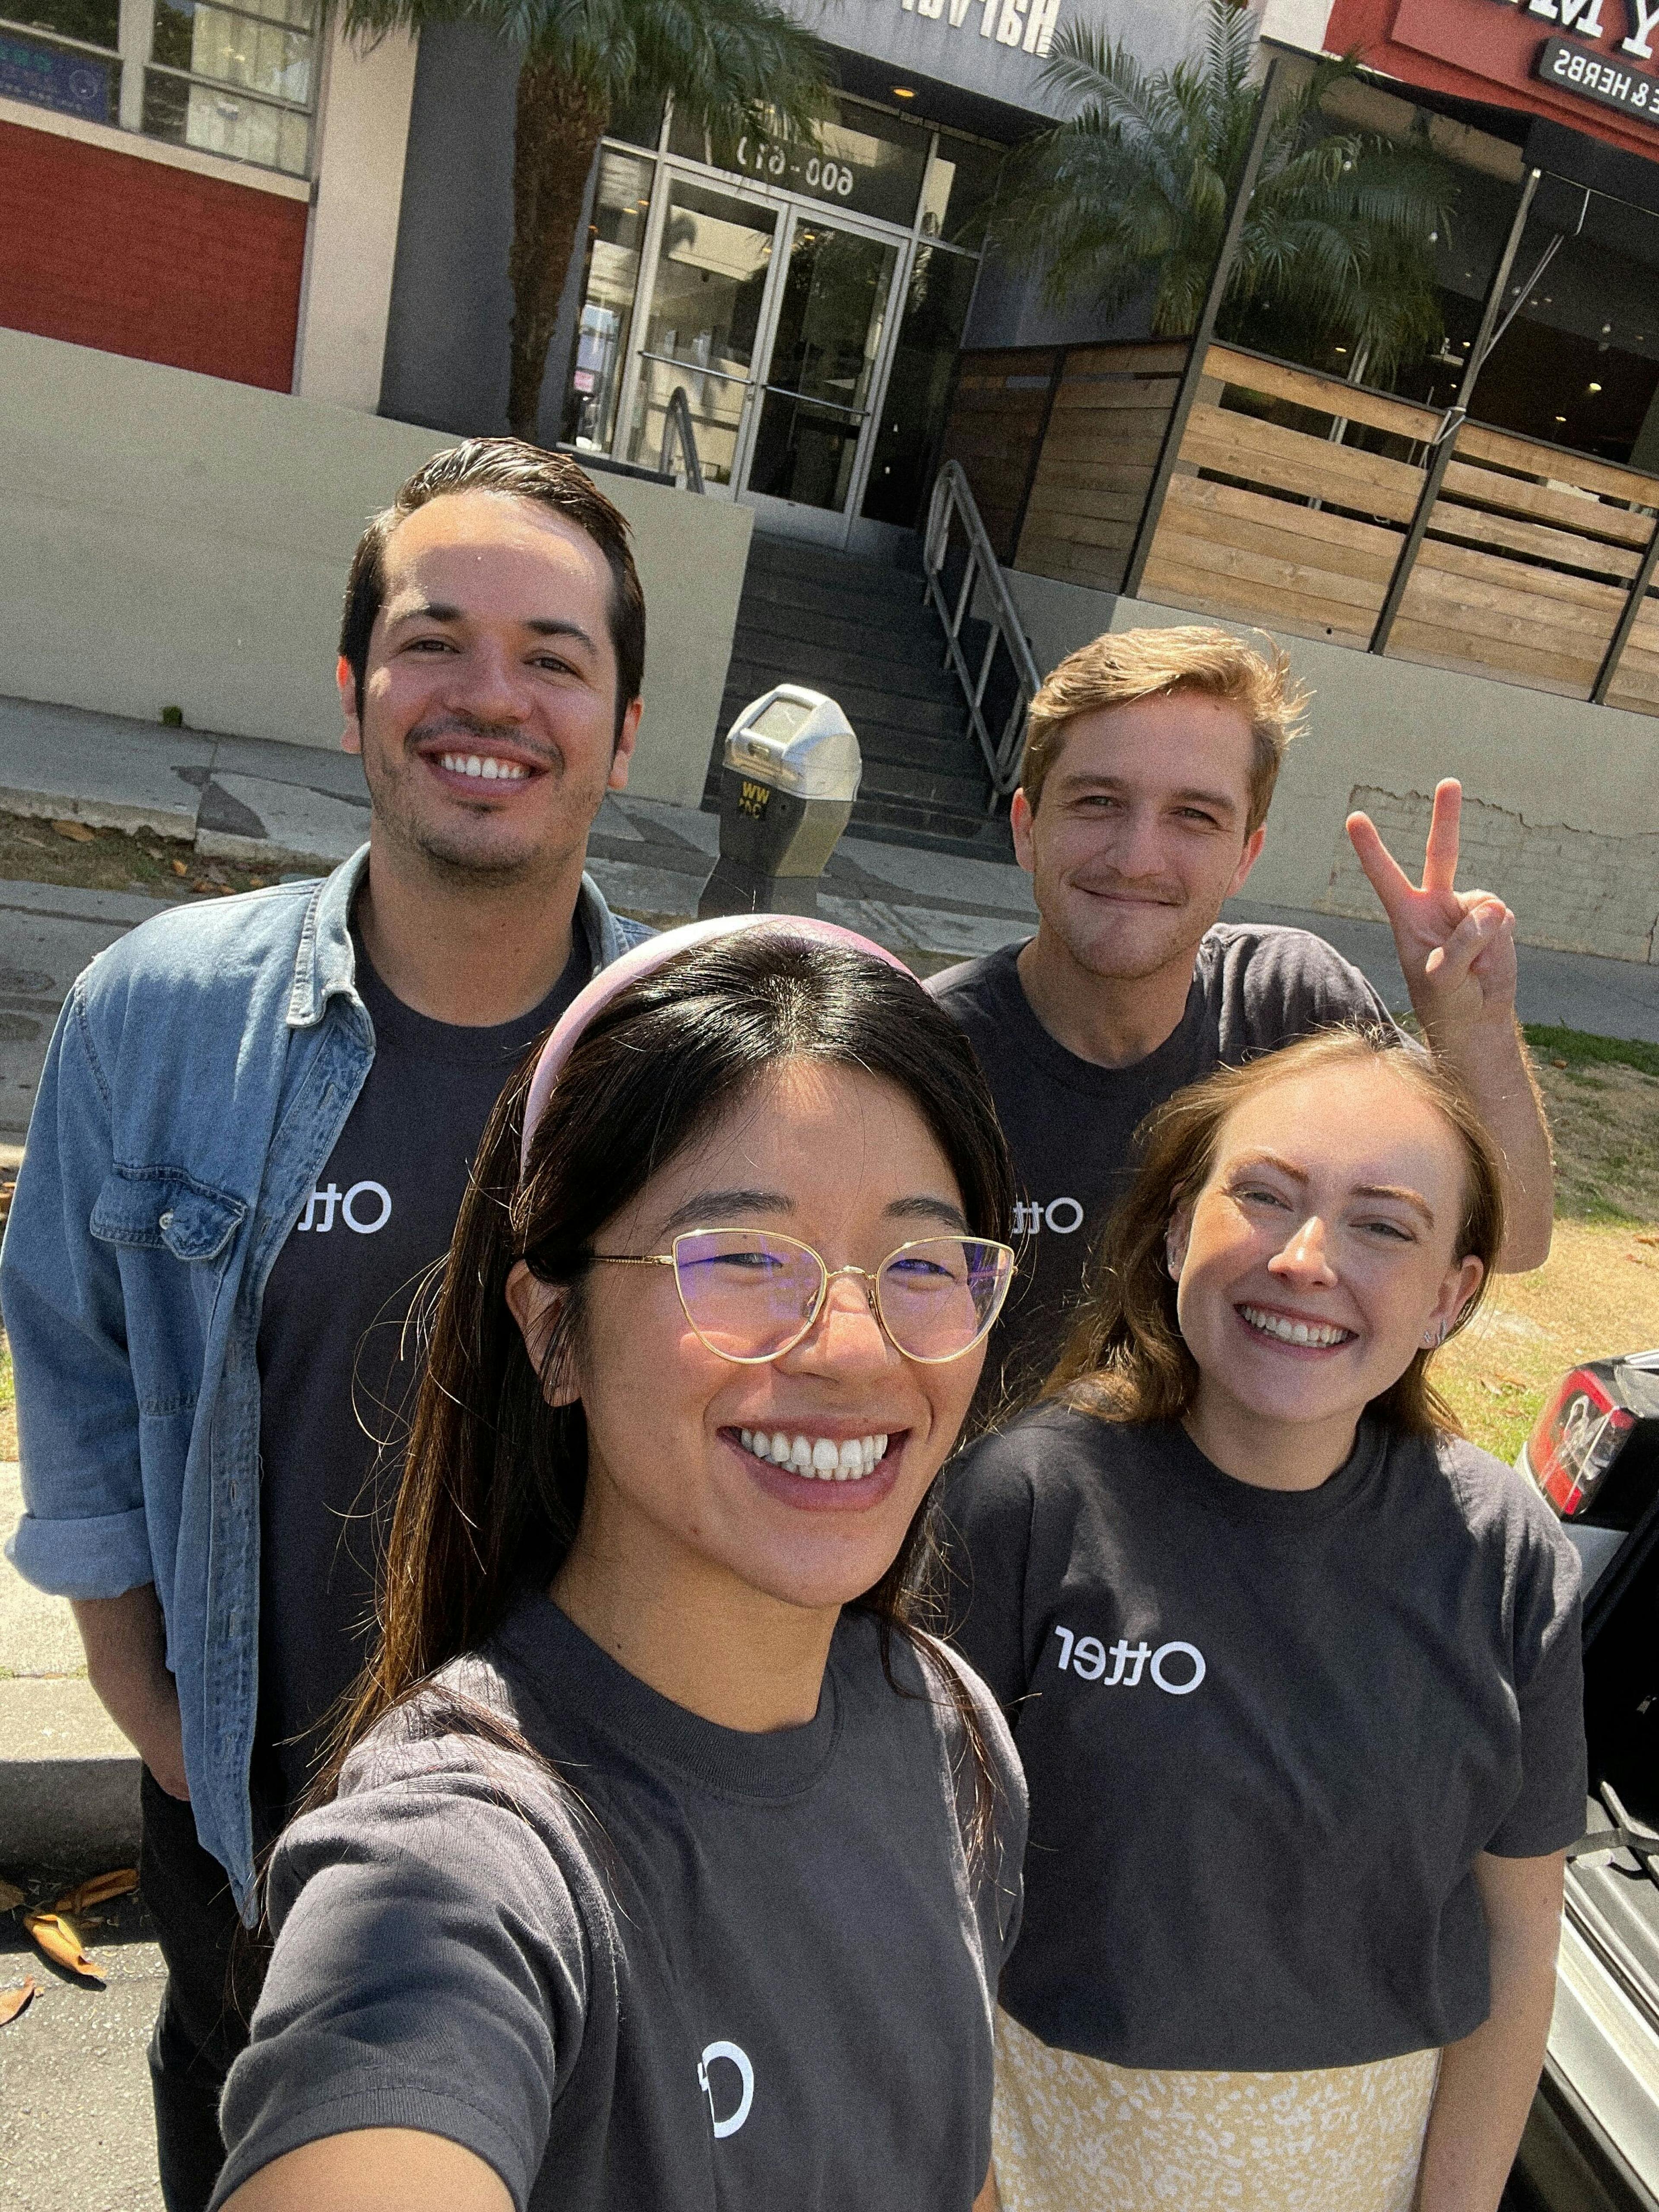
column 69, row 1778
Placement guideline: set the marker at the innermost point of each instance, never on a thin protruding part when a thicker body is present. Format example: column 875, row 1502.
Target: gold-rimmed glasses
column 753, row 1294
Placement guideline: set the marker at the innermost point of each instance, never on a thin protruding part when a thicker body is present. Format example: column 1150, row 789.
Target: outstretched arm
column 1456, row 951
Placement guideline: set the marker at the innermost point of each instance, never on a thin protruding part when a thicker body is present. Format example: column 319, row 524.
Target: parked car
column 1592, row 2143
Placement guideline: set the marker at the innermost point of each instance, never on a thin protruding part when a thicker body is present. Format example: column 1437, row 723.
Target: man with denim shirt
column 250, row 1140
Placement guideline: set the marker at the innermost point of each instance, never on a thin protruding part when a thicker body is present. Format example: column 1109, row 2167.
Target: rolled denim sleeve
column 83, row 1532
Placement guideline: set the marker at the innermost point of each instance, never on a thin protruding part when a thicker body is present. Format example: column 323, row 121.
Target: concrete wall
column 1561, row 800
column 451, row 312
column 173, row 539
column 364, row 131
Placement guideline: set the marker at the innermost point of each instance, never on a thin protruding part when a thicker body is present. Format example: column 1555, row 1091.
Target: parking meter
column 789, row 775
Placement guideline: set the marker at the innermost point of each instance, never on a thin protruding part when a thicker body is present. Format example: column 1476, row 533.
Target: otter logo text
column 1177, row 1669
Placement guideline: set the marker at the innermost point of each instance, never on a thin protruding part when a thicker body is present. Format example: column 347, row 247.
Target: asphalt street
column 75, row 2130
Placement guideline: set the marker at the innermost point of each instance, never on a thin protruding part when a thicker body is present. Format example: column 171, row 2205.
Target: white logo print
column 733, row 2056
column 1087, row 1656
column 1063, row 1215
column 365, row 1207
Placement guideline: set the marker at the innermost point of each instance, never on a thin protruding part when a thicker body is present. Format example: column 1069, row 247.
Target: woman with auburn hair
column 664, row 1862
column 1293, row 1671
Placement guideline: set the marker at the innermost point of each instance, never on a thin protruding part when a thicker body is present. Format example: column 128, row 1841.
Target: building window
column 237, row 79
column 233, row 81
column 622, row 202
column 64, row 55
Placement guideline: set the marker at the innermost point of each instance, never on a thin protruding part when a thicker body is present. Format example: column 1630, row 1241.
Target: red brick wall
column 136, row 257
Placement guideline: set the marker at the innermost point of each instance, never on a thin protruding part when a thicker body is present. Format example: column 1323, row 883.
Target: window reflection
column 621, row 205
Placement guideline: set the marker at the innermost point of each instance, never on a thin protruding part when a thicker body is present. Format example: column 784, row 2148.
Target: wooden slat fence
column 1291, row 502
column 998, row 411
column 1270, row 518
column 1526, row 567
column 1111, row 407
column 1060, row 444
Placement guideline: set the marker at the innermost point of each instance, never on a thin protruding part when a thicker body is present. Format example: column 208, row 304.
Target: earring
column 1434, row 1338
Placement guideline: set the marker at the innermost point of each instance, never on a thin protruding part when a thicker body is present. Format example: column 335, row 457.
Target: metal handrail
column 982, row 580
column 677, row 425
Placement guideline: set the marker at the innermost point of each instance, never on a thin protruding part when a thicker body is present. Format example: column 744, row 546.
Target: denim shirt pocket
column 163, row 1210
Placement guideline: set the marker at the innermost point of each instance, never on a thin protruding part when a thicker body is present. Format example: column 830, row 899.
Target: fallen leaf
column 180, row 869
column 10, row 1896
column 1648, row 1240
column 77, row 832
column 61, row 1941
column 12, row 2002
column 201, row 883
column 1558, row 1063
column 98, row 1889
column 258, row 883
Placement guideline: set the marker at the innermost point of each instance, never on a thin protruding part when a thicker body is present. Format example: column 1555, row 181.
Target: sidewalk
column 293, row 806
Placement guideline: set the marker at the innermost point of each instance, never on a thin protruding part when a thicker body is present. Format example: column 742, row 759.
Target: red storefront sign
column 1593, row 64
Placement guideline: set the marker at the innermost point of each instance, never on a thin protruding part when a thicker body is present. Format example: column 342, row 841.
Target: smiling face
column 677, row 1485
column 1140, row 833
column 489, row 721
column 1320, row 1255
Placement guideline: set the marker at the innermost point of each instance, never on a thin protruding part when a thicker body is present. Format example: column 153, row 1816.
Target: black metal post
column 1620, row 639
column 1191, row 376
column 1440, row 459
column 1055, row 376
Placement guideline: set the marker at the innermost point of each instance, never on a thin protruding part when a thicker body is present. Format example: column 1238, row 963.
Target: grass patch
column 33, row 851
column 1578, row 1049
column 1598, row 1292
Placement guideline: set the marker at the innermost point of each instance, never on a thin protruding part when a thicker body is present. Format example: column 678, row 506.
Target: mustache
column 1159, row 888
column 456, row 723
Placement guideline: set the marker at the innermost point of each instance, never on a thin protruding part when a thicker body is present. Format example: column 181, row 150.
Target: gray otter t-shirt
column 1069, row 1121
column 754, row 1971
column 338, row 1362
column 1266, row 1733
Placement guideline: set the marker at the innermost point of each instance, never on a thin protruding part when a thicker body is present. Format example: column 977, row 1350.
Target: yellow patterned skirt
column 1077, row 2135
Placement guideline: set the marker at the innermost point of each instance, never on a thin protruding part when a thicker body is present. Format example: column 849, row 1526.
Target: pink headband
column 644, row 960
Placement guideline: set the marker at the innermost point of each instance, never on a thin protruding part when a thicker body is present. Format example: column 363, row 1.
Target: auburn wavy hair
column 1126, row 1358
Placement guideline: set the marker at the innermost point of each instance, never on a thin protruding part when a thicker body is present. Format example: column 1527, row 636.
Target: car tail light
column 1578, row 1436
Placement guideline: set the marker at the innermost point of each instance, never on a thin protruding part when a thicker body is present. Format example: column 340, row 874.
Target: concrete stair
column 860, row 629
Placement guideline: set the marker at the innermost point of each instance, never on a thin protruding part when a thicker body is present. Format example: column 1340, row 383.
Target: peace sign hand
column 1456, row 949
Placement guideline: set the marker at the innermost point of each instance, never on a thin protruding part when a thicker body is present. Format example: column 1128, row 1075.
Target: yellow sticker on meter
column 753, row 799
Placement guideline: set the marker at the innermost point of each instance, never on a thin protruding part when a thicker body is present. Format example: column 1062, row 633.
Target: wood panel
column 1584, row 517
column 1602, row 477
column 1261, row 452
column 1325, row 395
column 997, row 413
column 1110, row 414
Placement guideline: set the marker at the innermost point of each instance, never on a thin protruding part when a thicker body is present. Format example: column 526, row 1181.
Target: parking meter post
column 789, row 775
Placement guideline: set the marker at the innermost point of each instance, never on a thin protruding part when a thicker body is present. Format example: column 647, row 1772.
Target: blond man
column 1150, row 764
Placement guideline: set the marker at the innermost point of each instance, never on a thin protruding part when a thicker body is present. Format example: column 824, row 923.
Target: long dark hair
column 495, row 1479
column 1126, row 1358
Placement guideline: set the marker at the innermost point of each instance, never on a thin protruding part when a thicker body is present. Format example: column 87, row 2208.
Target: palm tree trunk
column 560, row 123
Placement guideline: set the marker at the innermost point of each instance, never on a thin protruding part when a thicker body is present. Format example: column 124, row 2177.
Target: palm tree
column 1131, row 192
column 731, row 66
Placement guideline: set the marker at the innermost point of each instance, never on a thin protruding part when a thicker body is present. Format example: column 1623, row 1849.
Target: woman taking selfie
column 666, row 1866
column 1294, row 1673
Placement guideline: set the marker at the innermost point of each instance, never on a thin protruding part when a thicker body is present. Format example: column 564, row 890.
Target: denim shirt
column 200, row 1073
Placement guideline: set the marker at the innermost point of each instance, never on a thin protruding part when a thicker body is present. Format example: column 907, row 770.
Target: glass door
column 703, row 330
column 809, row 448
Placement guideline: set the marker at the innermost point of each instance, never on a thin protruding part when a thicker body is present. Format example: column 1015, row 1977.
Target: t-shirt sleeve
column 1548, row 1815
column 432, row 1969
column 1290, row 983
column 985, row 1537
